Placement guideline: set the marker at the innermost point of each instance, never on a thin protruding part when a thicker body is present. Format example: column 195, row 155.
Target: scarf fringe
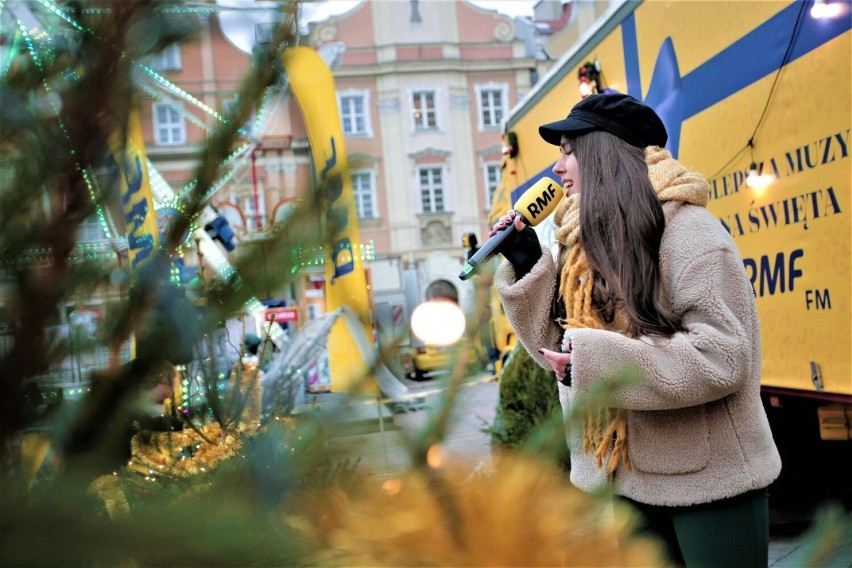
column 605, row 438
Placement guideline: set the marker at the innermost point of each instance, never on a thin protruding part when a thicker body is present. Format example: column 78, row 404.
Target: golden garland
column 188, row 452
column 524, row 513
column 184, row 453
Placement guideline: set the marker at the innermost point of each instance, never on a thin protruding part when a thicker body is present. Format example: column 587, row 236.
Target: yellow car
column 429, row 361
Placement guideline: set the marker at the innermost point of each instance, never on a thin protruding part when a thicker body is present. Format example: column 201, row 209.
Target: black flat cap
column 619, row 114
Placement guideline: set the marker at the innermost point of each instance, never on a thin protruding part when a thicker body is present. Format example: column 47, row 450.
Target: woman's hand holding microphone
column 521, row 248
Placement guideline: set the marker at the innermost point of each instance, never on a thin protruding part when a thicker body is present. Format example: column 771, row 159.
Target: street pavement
column 380, row 445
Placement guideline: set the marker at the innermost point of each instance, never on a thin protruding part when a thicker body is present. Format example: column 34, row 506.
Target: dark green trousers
column 731, row 532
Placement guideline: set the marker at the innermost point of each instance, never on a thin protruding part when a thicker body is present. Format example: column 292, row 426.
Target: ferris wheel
column 36, row 29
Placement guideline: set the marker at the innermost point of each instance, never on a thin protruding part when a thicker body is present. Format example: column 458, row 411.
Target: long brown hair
column 622, row 225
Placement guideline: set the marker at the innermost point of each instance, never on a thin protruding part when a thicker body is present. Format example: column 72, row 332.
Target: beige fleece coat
column 697, row 431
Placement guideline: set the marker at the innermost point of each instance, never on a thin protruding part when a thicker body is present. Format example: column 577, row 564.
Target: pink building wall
column 455, row 47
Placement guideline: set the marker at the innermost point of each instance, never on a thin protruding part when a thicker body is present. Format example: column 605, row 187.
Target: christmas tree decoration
column 522, row 514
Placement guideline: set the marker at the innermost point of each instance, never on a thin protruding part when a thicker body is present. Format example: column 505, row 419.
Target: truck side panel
column 737, row 83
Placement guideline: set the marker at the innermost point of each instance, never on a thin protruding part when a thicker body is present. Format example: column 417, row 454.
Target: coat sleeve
column 713, row 357
column 527, row 303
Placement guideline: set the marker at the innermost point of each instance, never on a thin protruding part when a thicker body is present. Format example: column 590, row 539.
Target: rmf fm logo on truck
column 539, row 206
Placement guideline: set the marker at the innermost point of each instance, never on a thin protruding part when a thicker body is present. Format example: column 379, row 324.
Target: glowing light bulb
column 436, row 456
column 822, row 9
column 438, row 322
column 392, row 486
column 757, row 180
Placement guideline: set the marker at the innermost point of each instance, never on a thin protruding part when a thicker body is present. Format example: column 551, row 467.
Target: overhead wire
column 784, row 61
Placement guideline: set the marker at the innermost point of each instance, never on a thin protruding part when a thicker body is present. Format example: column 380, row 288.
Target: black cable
column 796, row 29
column 722, row 169
column 784, row 61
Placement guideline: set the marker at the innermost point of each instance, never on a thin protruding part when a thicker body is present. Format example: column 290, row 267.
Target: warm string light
column 757, row 179
column 823, row 9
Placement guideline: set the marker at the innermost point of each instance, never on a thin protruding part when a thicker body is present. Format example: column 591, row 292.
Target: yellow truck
column 756, row 96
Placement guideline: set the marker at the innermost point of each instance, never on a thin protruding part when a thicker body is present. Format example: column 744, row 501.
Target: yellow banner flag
column 312, row 85
column 137, row 204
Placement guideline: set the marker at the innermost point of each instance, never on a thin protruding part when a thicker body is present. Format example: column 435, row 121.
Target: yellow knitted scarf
column 606, row 431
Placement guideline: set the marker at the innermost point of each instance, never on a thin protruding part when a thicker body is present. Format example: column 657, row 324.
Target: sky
column 321, row 9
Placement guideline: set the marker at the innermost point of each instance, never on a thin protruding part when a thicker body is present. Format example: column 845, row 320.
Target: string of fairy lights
column 34, row 55
column 168, row 85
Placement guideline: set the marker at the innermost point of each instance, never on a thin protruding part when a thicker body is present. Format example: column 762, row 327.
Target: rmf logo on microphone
column 540, row 205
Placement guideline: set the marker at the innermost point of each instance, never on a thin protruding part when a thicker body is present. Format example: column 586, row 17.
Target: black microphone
column 533, row 206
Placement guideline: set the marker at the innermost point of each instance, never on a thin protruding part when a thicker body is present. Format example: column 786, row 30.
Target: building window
column 492, row 180
column 431, row 183
column 424, row 111
column 415, row 12
column 168, row 59
column 254, row 217
column 365, row 194
column 492, row 105
column 355, row 112
column 169, row 125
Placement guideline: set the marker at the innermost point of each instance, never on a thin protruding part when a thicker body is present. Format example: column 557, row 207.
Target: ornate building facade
column 422, row 89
